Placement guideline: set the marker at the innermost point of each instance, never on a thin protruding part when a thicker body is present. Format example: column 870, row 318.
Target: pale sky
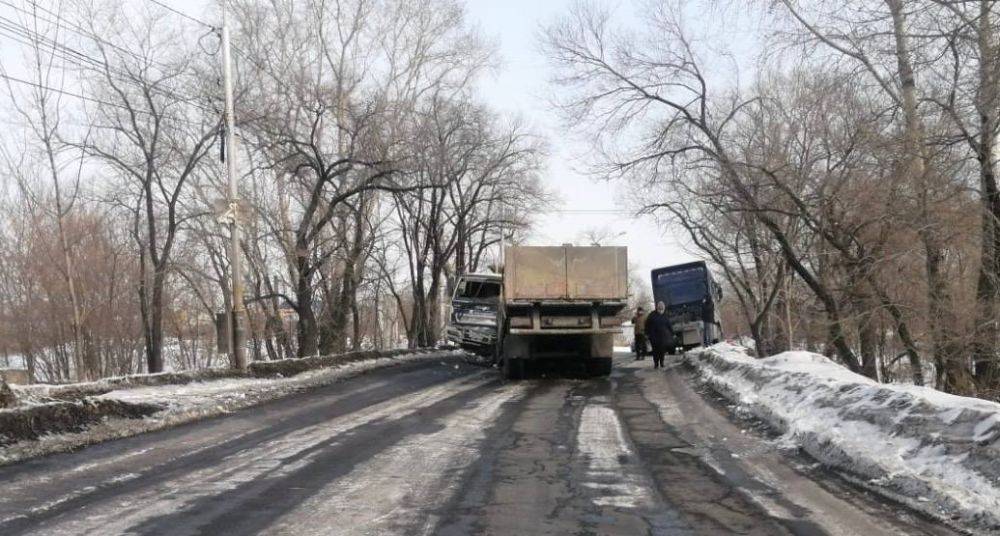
column 521, row 88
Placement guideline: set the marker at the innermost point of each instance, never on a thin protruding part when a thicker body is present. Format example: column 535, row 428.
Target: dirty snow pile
column 231, row 393
column 936, row 452
column 181, row 403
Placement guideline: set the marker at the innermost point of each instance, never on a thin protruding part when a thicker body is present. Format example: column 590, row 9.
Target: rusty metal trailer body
column 563, row 302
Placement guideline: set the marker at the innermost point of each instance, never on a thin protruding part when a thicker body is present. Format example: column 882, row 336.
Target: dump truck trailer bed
column 563, row 302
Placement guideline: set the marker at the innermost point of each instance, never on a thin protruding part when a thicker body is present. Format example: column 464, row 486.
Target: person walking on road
column 639, row 332
column 660, row 333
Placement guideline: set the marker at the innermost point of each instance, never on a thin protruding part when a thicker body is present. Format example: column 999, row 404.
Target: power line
column 185, row 15
column 21, row 33
column 182, row 14
column 143, row 111
column 64, row 24
column 71, row 94
column 26, row 36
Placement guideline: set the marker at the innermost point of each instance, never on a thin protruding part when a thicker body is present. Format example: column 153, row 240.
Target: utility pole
column 235, row 318
column 503, row 236
column 788, row 309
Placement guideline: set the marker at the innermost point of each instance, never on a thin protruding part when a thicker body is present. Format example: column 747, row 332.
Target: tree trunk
column 307, row 331
column 914, row 165
column 835, row 326
column 461, row 262
column 356, row 326
column 868, row 342
column 984, row 327
column 155, row 352
column 986, row 330
column 952, row 373
column 333, row 330
column 7, row 398
column 433, row 305
column 759, row 339
column 144, row 307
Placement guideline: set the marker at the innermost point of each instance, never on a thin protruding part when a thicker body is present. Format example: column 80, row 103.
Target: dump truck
column 561, row 302
column 692, row 296
column 475, row 309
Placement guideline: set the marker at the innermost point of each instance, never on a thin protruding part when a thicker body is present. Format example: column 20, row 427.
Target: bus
column 692, row 297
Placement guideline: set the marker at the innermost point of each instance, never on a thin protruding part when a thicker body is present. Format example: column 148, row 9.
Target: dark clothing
column 658, row 352
column 661, row 336
column 658, row 329
column 640, row 346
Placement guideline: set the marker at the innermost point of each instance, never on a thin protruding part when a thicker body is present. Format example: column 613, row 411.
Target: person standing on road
column 639, row 332
column 660, row 333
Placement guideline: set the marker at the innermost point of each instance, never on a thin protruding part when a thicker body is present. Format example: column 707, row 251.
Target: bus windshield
column 684, row 286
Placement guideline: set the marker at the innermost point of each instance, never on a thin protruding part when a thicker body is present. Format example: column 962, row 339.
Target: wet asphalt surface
column 445, row 447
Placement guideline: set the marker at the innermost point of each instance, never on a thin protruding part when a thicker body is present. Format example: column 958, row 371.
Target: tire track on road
column 186, row 483
column 397, row 490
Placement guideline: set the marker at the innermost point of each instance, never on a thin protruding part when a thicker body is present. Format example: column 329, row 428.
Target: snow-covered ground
column 936, row 452
column 196, row 400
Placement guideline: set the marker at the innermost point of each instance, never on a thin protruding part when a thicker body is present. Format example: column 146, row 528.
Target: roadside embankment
column 57, row 418
column 937, row 453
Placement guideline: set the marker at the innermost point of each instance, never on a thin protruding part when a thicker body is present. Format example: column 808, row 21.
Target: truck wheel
column 599, row 366
column 513, row 368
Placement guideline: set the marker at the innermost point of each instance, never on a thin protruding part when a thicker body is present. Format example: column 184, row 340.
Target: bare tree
column 42, row 112
column 611, row 83
column 879, row 46
column 153, row 138
column 478, row 167
column 351, row 75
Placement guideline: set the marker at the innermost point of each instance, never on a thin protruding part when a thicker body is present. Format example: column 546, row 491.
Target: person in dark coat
column 660, row 333
column 639, row 332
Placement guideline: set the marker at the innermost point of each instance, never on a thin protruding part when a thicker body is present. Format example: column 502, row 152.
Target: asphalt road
column 449, row 448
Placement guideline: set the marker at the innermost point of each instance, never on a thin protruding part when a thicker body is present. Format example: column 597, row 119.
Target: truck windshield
column 684, row 286
column 478, row 290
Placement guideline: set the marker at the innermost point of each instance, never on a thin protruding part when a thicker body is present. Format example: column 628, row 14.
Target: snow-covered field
column 197, row 400
column 936, row 452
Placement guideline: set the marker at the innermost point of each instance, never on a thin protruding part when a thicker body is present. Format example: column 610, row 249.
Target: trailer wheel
column 513, row 368
column 599, row 366
column 497, row 354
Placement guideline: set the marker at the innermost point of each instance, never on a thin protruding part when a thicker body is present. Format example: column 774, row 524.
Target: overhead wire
column 19, row 32
column 36, row 85
column 65, row 24
column 89, row 35
column 182, row 14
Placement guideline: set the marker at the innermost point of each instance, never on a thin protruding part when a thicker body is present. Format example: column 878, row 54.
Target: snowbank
column 175, row 404
column 43, row 393
column 935, row 452
column 58, row 417
column 46, row 393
